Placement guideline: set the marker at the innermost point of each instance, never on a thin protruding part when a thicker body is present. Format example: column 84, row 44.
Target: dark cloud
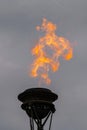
column 17, row 36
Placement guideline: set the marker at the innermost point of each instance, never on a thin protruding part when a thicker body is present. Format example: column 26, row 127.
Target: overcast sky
column 18, row 19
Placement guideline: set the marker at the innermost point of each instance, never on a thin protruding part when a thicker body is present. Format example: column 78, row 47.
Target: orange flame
column 59, row 47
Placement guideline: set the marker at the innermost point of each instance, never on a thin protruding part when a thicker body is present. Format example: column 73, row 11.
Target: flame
column 59, row 46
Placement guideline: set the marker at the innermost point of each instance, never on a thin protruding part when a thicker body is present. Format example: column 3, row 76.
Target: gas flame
column 58, row 46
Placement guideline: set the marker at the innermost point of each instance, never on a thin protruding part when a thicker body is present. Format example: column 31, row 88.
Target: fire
column 58, row 46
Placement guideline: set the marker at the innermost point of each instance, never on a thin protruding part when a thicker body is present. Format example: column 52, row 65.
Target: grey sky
column 18, row 19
